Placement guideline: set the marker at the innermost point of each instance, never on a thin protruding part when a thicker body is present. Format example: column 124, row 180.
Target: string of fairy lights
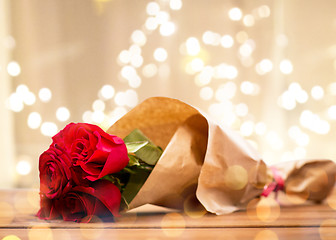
column 221, row 98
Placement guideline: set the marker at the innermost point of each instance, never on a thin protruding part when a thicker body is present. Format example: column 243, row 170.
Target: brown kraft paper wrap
column 209, row 165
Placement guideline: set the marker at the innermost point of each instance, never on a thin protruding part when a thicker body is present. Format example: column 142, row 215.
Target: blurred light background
column 265, row 68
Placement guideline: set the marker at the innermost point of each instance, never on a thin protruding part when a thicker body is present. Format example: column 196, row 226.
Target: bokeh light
column 26, row 202
column 317, row 92
column 247, row 128
column 282, row 40
column 92, row 230
column 151, row 23
column 62, row 114
column 226, row 91
column 13, row 69
column 327, row 229
column 242, row 109
column 40, row 232
column 173, row 224
column 235, row 14
column 15, row 102
column 211, row 38
column 264, row 11
column 175, row 4
column 131, row 98
column 295, row 195
column 260, row 128
column 264, row 66
column 266, row 235
column 167, row 29
column 236, row 177
column 63, row 234
column 162, row 17
column 139, row 37
column 332, row 88
column 107, row 92
column 124, row 57
column 274, row 140
column 248, row 20
column 245, row 50
column 286, row 66
column 11, row 237
column 249, row 88
column 98, row 105
column 34, row 120
column 268, row 210
column 9, row 42
column 314, row 123
column 22, row 89
column 206, row 93
column 150, row 70
column 97, row 117
column 137, row 61
column 205, row 76
column 23, row 167
column 7, row 213
column 193, row 46
column 331, row 200
column 160, row 54
column 242, row 36
column 153, row 8
column 287, row 100
column 196, row 65
column 29, row 98
column 227, row 41
column 192, row 207
column 49, row 129
column 45, row 94
column 128, row 72
column 332, row 112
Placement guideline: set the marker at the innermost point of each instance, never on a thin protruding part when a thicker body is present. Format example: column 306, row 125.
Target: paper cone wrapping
column 308, row 179
column 208, row 165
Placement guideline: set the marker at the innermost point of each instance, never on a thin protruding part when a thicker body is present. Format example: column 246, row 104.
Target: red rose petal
column 107, row 193
column 116, row 161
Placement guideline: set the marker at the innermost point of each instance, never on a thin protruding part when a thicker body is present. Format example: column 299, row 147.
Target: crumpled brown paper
column 207, row 165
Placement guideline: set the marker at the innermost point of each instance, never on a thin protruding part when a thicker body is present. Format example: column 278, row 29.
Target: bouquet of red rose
column 85, row 170
column 203, row 165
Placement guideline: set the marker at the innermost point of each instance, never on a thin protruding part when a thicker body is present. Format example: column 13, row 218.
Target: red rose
column 55, row 172
column 95, row 151
column 81, row 203
column 49, row 209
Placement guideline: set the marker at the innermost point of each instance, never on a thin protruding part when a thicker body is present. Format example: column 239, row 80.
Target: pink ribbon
column 277, row 185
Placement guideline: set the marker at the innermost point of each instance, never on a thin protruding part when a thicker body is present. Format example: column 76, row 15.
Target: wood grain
column 268, row 221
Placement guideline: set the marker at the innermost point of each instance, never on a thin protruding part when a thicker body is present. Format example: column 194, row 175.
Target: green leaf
column 123, row 203
column 143, row 155
column 114, row 180
column 136, row 136
column 134, row 184
column 128, row 170
column 148, row 153
column 132, row 147
column 133, row 160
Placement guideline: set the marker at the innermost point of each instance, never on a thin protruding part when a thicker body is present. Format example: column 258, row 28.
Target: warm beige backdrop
column 72, row 47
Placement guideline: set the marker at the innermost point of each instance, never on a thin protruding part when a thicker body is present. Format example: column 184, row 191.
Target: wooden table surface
column 264, row 221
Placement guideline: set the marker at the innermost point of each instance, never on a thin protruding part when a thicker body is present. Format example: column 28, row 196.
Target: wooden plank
column 18, row 209
column 326, row 233
column 294, row 217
